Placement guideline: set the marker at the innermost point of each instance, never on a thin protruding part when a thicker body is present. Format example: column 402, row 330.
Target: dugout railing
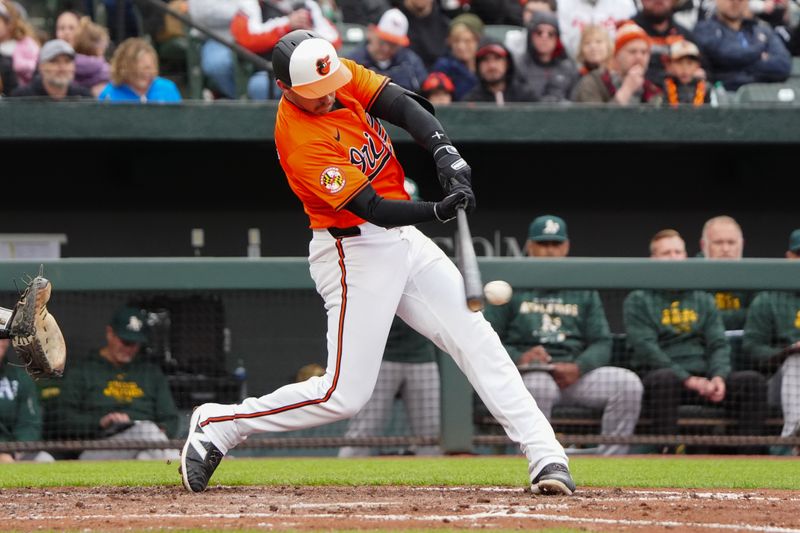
column 270, row 322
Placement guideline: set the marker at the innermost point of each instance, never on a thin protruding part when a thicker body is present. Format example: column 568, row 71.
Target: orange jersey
column 330, row 158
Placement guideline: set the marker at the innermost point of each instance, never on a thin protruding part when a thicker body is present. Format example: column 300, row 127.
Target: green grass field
column 664, row 472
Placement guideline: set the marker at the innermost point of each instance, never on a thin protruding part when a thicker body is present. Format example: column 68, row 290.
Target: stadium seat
column 498, row 31
column 786, row 93
column 353, row 36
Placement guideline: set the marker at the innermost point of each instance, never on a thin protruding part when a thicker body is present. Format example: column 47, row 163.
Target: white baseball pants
column 783, row 391
column 364, row 280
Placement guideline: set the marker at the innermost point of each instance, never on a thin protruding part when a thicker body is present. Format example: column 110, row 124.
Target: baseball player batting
column 369, row 262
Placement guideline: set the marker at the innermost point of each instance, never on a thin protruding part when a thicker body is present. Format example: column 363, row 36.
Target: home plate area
column 391, row 508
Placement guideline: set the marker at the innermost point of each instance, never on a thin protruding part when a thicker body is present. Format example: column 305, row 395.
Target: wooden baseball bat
column 468, row 263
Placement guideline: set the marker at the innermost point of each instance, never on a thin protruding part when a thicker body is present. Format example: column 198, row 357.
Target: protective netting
column 223, row 345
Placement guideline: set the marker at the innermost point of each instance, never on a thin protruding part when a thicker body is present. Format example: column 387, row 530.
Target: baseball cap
column 549, row 228
column 794, row 241
column 491, row 47
column 308, row 64
column 437, row 81
column 52, row 49
column 628, row 32
column 129, row 324
column 393, row 27
column 684, row 48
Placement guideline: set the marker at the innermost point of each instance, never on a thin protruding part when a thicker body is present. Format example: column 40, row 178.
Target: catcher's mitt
column 34, row 333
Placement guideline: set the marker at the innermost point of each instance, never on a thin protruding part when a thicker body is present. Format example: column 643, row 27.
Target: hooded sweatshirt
column 553, row 80
column 515, row 90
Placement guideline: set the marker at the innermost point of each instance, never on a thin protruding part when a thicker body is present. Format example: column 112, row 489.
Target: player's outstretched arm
column 415, row 115
column 374, row 208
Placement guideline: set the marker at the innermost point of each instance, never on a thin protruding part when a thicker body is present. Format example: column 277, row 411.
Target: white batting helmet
column 308, row 64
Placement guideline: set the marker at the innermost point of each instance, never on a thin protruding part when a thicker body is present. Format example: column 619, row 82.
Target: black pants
column 745, row 400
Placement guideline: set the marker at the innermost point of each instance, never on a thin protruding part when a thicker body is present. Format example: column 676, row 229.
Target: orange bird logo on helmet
column 324, row 65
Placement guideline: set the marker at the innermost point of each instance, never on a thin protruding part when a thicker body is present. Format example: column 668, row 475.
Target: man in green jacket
column 20, row 416
column 722, row 239
column 567, row 330
column 111, row 394
column 772, row 344
column 678, row 343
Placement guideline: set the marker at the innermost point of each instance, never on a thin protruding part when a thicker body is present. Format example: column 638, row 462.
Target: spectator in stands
column 408, row 370
column 684, row 81
column 427, row 30
column 498, row 82
column 217, row 60
column 459, row 63
column 111, row 394
column 20, row 415
column 569, row 330
column 776, row 13
column 134, row 76
column 595, row 50
column 17, row 42
column 91, row 68
column 259, row 24
column 67, row 27
column 624, row 82
column 722, row 238
column 516, row 40
column 574, row 15
column 678, row 344
column 386, row 52
column 438, row 88
column 772, row 344
column 657, row 21
column 362, row 12
column 56, row 74
column 740, row 50
column 545, row 68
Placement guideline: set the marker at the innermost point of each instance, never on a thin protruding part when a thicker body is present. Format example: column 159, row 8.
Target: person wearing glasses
column 545, row 69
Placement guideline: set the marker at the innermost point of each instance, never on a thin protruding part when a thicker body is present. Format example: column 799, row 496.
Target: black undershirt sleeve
column 388, row 213
column 412, row 113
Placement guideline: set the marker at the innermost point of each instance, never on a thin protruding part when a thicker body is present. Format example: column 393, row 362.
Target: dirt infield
column 325, row 508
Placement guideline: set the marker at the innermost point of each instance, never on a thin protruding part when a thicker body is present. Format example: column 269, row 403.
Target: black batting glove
column 460, row 197
column 451, row 167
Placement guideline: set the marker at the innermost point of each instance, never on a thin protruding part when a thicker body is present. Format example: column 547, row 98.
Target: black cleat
column 199, row 457
column 553, row 479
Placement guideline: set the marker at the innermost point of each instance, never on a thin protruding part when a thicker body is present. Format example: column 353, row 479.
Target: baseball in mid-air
column 497, row 292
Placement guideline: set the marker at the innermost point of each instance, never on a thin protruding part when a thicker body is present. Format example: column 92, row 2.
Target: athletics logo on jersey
column 324, row 65
column 332, row 179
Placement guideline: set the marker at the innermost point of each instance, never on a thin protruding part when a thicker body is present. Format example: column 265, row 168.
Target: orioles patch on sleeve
column 332, row 179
